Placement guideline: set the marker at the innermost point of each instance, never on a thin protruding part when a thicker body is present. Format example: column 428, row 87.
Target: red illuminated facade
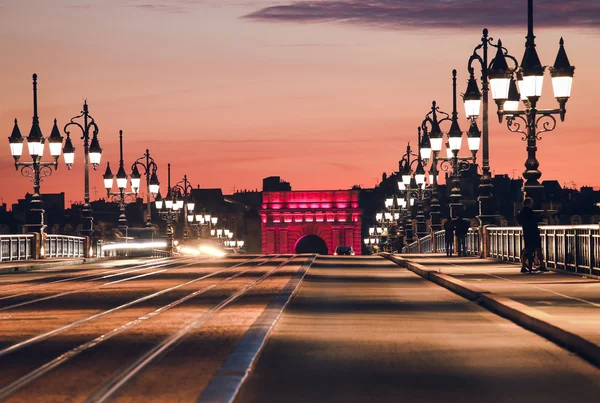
column 288, row 217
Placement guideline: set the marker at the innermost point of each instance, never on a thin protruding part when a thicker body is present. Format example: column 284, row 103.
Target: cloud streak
column 434, row 14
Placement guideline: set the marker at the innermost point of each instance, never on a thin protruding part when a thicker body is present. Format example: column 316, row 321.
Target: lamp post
column 452, row 161
column 91, row 154
column 392, row 221
column 472, row 99
column 413, row 184
column 149, row 167
column 201, row 221
column 121, row 196
column 168, row 210
column 36, row 169
column 183, row 190
column 531, row 122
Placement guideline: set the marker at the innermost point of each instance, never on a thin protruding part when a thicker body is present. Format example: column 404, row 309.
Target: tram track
column 174, row 263
column 106, row 274
column 111, row 387
column 63, row 358
column 24, row 283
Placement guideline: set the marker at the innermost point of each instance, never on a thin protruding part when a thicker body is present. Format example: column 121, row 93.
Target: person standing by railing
column 461, row 229
column 531, row 237
column 449, row 236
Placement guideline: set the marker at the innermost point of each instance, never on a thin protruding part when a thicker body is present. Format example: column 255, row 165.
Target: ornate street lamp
column 532, row 122
column 452, row 160
column 149, row 168
column 168, row 210
column 413, row 183
column 92, row 154
column 201, row 221
column 493, row 75
column 183, row 190
column 122, row 197
column 36, row 169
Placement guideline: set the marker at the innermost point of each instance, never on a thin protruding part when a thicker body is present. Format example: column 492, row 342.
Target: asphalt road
column 187, row 329
column 363, row 330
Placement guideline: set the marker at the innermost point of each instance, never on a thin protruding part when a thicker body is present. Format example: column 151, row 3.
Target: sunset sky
column 325, row 93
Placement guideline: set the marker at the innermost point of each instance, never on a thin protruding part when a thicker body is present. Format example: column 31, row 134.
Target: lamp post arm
column 72, row 123
column 518, row 124
column 39, row 163
column 547, row 122
column 90, row 125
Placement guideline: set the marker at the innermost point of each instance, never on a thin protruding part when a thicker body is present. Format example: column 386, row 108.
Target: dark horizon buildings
column 239, row 211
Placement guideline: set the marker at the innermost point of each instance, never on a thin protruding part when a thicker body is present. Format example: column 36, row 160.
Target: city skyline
column 324, row 96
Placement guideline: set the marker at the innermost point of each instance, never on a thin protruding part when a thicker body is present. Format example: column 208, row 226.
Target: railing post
column 484, row 242
column 38, row 246
column 576, row 251
column 565, row 250
column 591, row 249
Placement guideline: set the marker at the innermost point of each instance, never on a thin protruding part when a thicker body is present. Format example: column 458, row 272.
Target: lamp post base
column 87, row 221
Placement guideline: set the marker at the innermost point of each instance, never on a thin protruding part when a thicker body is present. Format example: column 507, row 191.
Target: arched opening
column 311, row 244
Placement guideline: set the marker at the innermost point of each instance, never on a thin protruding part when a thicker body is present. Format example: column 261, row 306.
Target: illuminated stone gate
column 331, row 215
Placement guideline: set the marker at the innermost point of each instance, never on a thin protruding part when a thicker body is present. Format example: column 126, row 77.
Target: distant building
column 276, row 184
column 53, row 203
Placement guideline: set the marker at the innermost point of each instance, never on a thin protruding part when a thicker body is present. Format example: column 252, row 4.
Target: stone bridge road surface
column 109, row 335
column 361, row 329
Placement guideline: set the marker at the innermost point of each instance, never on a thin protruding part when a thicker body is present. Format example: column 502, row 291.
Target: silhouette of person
column 449, row 237
column 461, row 229
column 528, row 220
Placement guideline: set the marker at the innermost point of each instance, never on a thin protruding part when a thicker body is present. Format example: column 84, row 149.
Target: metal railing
column 16, row 247
column 64, row 246
column 97, row 248
column 473, row 242
column 440, row 241
column 160, row 253
column 573, row 248
column 425, row 244
column 413, row 247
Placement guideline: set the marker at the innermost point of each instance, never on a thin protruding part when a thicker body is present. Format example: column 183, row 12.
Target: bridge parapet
column 572, row 248
column 35, row 246
column 17, row 247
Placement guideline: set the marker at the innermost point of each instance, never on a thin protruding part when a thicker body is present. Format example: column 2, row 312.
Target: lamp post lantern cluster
column 531, row 121
column 92, row 154
column 413, row 188
column 200, row 221
column 182, row 192
column 169, row 210
column 149, row 168
column 36, row 169
column 121, row 196
column 432, row 143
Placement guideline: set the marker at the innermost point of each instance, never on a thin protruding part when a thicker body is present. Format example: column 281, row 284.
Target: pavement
column 562, row 307
column 363, row 329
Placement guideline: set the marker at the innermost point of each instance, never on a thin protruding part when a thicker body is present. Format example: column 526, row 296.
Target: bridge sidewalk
column 561, row 307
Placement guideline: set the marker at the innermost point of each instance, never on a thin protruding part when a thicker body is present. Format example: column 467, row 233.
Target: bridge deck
column 357, row 329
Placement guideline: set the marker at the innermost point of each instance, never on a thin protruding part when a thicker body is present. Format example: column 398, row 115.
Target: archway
column 311, row 244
